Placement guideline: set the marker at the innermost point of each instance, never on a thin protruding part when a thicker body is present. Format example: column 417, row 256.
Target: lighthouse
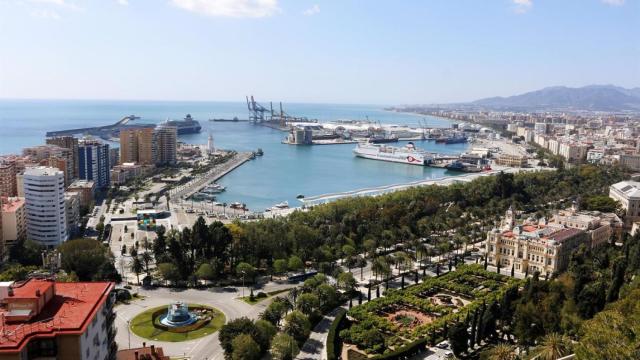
column 210, row 147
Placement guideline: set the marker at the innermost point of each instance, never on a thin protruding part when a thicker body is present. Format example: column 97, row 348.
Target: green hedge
column 406, row 352
column 333, row 348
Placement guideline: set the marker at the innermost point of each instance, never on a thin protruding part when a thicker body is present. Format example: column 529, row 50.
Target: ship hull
column 409, row 159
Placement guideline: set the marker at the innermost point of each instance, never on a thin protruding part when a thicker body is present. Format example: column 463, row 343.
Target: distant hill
column 593, row 97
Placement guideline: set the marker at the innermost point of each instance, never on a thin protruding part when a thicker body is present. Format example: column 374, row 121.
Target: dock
column 380, row 190
column 210, row 176
column 101, row 131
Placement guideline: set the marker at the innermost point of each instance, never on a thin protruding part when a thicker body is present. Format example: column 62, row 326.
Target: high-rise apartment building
column 53, row 156
column 68, row 142
column 45, row 205
column 93, row 162
column 43, row 319
column 14, row 223
column 165, row 144
column 136, row 145
column 8, row 182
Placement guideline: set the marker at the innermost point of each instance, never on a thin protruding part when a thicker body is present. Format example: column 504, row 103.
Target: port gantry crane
column 257, row 114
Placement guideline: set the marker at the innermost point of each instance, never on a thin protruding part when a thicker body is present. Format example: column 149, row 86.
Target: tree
column 246, row 271
column 275, row 311
column 232, row 329
column 169, row 272
column 280, row 266
column 26, row 252
column 502, row 351
column 327, row 296
column 266, row 331
column 137, row 267
column 84, row 257
column 206, row 272
column 308, row 304
column 283, row 347
column 554, row 346
column 347, row 282
column 297, row 326
column 459, row 338
column 245, row 348
column 295, row 263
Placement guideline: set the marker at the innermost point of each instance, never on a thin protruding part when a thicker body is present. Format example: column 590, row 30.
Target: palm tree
column 502, row 351
column 554, row 346
column 137, row 267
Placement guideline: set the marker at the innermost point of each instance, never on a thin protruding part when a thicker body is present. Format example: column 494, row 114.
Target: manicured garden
column 424, row 312
column 147, row 325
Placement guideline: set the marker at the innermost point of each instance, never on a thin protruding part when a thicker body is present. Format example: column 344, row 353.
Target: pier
column 380, row 190
column 101, row 131
column 200, row 181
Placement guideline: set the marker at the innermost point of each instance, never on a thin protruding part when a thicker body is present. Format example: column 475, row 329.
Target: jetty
column 380, row 190
column 202, row 180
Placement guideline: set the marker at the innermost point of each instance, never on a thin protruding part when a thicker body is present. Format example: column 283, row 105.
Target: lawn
column 142, row 326
column 257, row 299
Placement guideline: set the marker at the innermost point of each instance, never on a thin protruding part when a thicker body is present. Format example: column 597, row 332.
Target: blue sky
column 339, row 51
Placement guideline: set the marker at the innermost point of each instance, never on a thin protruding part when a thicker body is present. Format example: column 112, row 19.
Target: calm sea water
column 281, row 174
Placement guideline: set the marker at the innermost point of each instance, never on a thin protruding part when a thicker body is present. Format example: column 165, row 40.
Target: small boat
column 300, row 196
column 259, row 152
column 282, row 205
column 236, row 205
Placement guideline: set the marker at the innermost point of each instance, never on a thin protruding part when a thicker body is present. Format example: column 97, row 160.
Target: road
column 205, row 348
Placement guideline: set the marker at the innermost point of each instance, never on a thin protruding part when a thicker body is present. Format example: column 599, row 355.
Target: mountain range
column 592, row 97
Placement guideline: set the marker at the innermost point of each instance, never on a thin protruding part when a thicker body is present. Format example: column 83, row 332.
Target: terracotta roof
column 151, row 353
column 30, row 289
column 565, row 234
column 72, row 308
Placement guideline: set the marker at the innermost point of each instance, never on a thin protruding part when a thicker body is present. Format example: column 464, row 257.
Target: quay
column 380, row 190
column 217, row 172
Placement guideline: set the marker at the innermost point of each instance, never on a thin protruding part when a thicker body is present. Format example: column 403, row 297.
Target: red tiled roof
column 73, row 306
column 565, row 234
column 143, row 353
column 30, row 288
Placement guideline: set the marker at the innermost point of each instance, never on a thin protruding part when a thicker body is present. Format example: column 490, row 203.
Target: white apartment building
column 45, row 205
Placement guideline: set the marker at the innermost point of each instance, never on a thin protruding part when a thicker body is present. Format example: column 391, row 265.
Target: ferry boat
column 408, row 154
column 186, row 126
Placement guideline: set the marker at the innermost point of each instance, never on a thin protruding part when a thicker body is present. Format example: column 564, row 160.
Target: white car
column 444, row 345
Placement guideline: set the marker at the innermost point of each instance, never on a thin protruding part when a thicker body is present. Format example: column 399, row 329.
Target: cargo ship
column 186, row 126
column 408, row 154
column 452, row 140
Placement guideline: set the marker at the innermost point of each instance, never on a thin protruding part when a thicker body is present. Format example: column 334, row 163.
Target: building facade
column 136, row 145
column 8, row 181
column 165, row 144
column 14, row 222
column 93, row 162
column 532, row 246
column 86, row 189
column 627, row 193
column 68, row 142
column 72, row 212
column 45, row 205
column 43, row 319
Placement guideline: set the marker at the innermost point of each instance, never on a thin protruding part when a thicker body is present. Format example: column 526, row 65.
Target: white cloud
column 230, row 8
column 312, row 10
column 123, row 2
column 45, row 14
column 59, row 3
column 522, row 6
column 614, row 2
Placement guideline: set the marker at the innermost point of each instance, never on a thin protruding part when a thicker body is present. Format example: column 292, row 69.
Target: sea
column 283, row 173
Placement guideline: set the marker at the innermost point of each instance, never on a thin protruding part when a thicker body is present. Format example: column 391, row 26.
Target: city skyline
column 313, row 51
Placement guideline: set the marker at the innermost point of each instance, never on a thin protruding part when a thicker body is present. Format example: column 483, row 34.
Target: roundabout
column 177, row 321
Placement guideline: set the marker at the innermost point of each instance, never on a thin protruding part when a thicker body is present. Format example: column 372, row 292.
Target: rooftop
column 12, row 204
column 151, row 353
column 630, row 189
column 42, row 171
column 71, row 309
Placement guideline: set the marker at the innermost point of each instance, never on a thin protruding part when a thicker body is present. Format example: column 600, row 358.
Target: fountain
column 178, row 315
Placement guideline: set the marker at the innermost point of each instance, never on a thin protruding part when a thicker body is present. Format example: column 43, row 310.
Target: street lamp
column 243, row 272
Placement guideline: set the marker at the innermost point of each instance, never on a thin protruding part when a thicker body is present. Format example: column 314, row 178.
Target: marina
column 282, row 173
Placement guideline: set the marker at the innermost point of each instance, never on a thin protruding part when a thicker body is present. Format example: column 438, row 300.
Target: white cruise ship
column 408, row 154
